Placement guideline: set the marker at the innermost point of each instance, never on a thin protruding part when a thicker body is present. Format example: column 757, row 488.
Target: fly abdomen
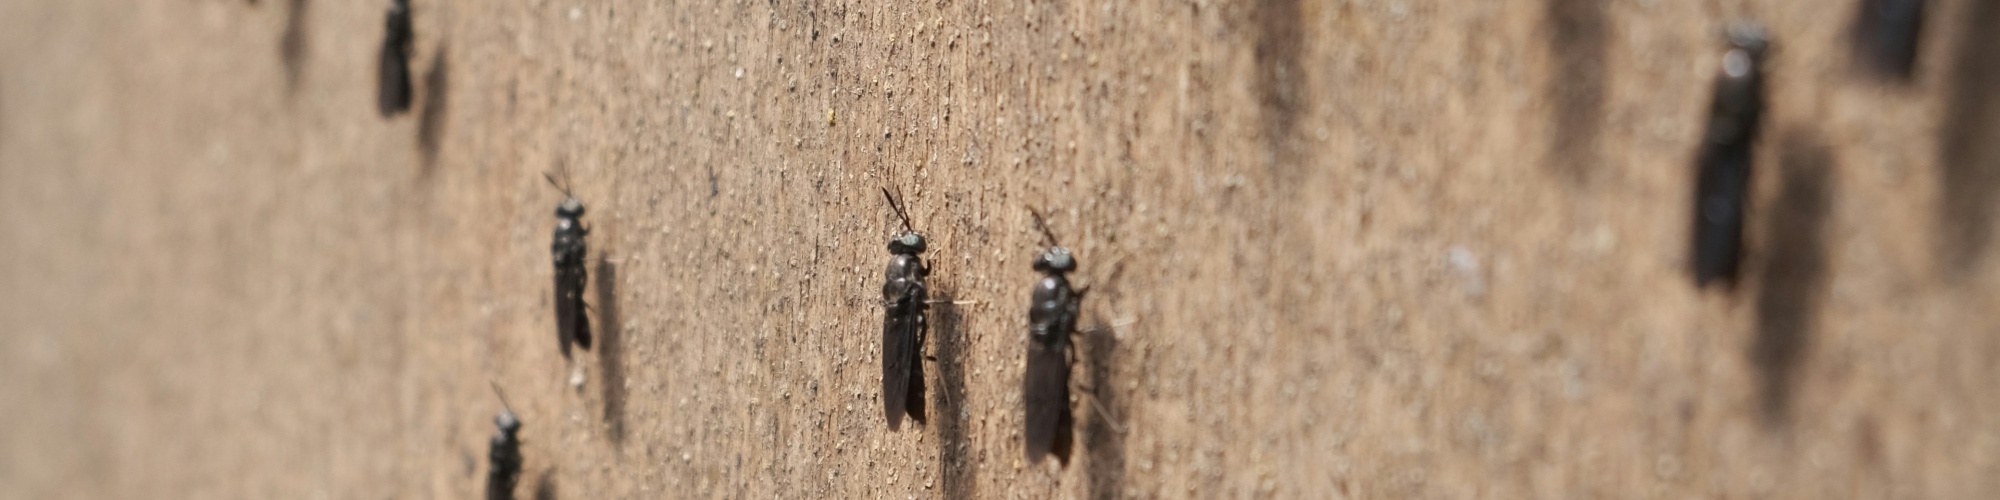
column 1045, row 386
column 572, row 322
column 1052, row 313
column 903, row 303
column 1724, row 162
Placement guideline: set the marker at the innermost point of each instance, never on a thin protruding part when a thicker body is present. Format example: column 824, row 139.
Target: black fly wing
column 394, row 92
column 572, row 324
column 503, row 467
column 914, row 404
column 902, row 318
column 1721, row 189
column 566, row 312
column 581, row 334
column 1045, row 389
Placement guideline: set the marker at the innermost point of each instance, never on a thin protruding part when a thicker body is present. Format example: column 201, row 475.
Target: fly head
column 908, row 243
column 1055, row 260
column 398, row 22
column 1747, row 43
column 570, row 208
column 507, row 422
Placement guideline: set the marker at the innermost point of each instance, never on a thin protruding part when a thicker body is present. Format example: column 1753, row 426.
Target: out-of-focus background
column 1336, row 249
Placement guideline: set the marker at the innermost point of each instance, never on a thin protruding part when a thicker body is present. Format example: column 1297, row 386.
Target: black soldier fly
column 394, row 93
column 572, row 322
column 1722, row 183
column 1886, row 33
column 904, row 300
column 504, row 455
column 1052, row 314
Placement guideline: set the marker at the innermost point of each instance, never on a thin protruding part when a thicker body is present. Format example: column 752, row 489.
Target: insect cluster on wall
column 1886, row 32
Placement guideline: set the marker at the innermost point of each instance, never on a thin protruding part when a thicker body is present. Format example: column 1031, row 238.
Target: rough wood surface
column 1339, row 249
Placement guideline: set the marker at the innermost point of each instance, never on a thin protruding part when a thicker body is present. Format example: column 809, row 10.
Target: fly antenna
column 502, row 394
column 560, row 186
column 899, row 210
column 1044, row 226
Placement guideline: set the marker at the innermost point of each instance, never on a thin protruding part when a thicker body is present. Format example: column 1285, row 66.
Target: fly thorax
column 904, row 267
column 1041, row 335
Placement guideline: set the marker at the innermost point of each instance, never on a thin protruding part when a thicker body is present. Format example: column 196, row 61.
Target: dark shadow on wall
column 1969, row 142
column 610, row 350
column 1104, row 439
column 1280, row 79
column 545, row 486
column 437, row 101
column 1887, row 35
column 292, row 45
column 1794, row 277
column 953, row 449
column 1577, row 35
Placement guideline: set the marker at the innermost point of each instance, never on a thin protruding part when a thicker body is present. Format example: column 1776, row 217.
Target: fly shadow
column 545, row 488
column 1103, row 438
column 292, row 45
column 1280, row 82
column 437, row 102
column 1886, row 37
column 1969, row 143
column 611, row 350
column 949, row 348
column 1577, row 34
column 1794, row 273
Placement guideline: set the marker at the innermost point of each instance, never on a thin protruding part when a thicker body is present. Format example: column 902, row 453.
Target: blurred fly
column 1052, row 314
column 504, row 454
column 393, row 93
column 904, row 300
column 572, row 322
column 1722, row 183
